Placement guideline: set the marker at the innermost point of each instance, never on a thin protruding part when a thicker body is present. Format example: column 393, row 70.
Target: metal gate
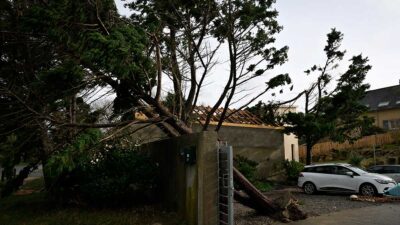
column 225, row 204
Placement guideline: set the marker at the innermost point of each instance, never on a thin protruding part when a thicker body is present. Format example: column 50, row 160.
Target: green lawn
column 35, row 209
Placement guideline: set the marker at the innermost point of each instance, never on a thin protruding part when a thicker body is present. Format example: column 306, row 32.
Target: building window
column 386, row 124
column 391, row 124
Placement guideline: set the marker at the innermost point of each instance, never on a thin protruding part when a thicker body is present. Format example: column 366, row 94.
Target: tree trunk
column 283, row 208
column 14, row 184
column 258, row 201
column 47, row 149
column 308, row 154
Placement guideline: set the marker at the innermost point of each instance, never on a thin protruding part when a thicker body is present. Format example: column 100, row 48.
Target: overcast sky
column 370, row 27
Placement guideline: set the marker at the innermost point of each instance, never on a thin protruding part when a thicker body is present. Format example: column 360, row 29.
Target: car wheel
column 368, row 190
column 309, row 188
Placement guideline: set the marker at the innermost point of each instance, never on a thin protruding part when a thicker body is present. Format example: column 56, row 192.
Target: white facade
column 291, row 147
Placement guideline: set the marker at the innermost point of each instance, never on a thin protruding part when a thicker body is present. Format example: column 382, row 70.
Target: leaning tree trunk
column 14, row 184
column 285, row 209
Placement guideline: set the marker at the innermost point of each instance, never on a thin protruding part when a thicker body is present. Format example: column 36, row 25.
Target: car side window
column 309, row 169
column 390, row 169
column 342, row 170
column 324, row 169
column 376, row 169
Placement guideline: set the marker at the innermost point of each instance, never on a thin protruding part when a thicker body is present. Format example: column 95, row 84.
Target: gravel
column 247, row 216
column 313, row 205
column 324, row 203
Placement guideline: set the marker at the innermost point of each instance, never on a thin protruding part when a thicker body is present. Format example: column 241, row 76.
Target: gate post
column 225, row 204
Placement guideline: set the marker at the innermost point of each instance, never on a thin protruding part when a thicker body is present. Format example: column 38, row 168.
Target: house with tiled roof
column 252, row 139
column 384, row 106
column 246, row 133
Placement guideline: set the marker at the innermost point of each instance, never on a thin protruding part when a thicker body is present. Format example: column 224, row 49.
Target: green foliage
column 44, row 82
column 246, row 166
column 55, row 54
column 355, row 159
column 339, row 114
column 9, row 156
column 266, row 112
column 119, row 177
column 100, row 175
column 263, row 186
column 73, row 156
column 292, row 169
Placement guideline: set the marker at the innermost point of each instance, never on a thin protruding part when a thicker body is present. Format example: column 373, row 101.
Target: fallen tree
column 83, row 46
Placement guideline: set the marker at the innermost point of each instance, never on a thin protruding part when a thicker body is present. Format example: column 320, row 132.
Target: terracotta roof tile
column 239, row 117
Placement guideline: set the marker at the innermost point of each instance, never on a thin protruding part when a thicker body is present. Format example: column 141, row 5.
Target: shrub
column 355, row 159
column 246, row 166
column 121, row 175
column 104, row 176
column 292, row 169
column 263, row 186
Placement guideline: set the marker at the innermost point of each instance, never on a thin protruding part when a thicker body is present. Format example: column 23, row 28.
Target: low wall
column 188, row 188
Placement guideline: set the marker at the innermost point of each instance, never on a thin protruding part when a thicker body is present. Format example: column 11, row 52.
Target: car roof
column 384, row 165
column 329, row 164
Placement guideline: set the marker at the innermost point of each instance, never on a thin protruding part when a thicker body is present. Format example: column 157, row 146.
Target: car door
column 323, row 177
column 342, row 181
column 396, row 176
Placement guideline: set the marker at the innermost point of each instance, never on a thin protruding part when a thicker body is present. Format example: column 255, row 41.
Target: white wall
column 289, row 141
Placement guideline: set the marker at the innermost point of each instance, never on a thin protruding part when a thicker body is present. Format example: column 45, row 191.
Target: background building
column 384, row 106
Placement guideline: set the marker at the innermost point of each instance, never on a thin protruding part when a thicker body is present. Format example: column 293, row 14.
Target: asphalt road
column 385, row 214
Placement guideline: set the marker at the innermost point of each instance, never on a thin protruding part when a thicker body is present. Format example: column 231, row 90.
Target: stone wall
column 188, row 188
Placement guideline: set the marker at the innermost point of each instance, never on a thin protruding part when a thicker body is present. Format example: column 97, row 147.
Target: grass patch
column 263, row 186
column 36, row 184
column 36, row 209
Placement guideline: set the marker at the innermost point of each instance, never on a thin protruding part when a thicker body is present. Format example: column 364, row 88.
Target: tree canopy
column 335, row 113
column 58, row 58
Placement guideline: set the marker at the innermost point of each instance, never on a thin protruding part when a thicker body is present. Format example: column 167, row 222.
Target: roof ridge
column 397, row 85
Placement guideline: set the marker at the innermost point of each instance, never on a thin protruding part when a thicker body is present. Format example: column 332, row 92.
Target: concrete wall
column 263, row 145
column 145, row 133
column 191, row 190
column 267, row 146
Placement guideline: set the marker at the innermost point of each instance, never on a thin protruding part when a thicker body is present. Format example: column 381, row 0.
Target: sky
column 370, row 28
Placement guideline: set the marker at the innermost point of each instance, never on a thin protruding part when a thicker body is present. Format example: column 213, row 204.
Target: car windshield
column 357, row 170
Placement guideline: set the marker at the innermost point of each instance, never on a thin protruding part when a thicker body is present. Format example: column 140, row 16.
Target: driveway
column 385, row 214
column 328, row 209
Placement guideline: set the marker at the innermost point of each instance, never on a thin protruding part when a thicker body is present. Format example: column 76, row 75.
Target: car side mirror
column 351, row 174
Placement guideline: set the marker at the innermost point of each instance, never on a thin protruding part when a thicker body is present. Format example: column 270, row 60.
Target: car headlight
column 384, row 181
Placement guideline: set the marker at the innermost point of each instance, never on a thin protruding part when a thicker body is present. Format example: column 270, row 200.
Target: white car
column 392, row 171
column 343, row 178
